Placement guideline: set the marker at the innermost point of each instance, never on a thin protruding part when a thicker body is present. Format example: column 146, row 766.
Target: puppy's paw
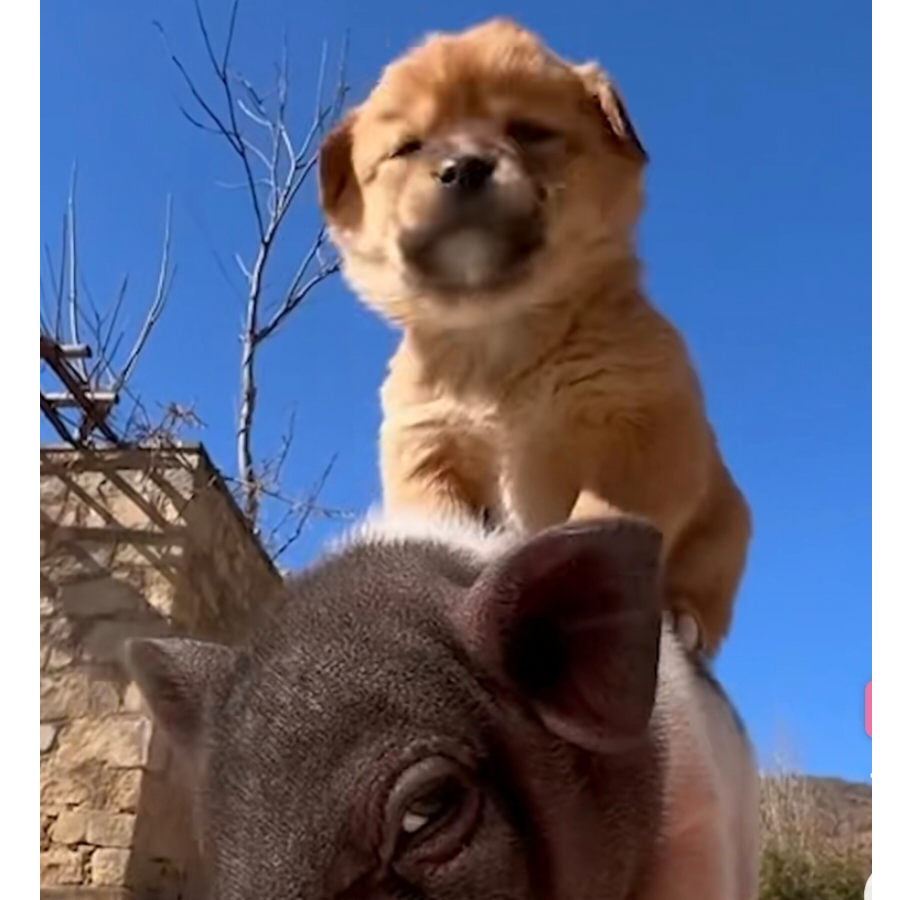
column 688, row 632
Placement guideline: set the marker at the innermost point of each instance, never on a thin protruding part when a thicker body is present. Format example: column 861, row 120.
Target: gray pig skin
column 436, row 712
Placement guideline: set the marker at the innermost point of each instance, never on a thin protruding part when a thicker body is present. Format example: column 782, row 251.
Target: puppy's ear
column 610, row 104
column 339, row 194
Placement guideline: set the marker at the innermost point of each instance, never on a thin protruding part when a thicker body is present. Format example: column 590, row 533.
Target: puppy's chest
column 517, row 438
column 505, row 428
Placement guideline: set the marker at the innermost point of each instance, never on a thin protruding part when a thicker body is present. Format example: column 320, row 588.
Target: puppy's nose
column 467, row 174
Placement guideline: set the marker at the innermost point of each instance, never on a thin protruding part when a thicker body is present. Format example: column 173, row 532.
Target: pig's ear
column 570, row 622
column 177, row 677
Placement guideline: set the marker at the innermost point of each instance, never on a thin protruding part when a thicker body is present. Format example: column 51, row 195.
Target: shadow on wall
column 134, row 543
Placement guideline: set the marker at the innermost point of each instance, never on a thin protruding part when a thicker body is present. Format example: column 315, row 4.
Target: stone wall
column 133, row 543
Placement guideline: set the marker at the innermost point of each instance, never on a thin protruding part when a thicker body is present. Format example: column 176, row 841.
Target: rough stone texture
column 48, row 736
column 110, row 829
column 118, row 741
column 70, row 827
column 61, row 866
column 133, row 543
column 109, row 866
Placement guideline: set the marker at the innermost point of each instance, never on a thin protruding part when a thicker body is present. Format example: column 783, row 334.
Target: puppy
column 484, row 200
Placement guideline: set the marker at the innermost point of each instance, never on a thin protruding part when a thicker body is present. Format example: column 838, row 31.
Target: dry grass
column 817, row 838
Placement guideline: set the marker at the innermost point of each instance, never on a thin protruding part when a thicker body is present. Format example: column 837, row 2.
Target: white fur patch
column 468, row 255
column 461, row 534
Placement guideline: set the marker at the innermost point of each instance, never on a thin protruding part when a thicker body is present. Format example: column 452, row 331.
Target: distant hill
column 843, row 812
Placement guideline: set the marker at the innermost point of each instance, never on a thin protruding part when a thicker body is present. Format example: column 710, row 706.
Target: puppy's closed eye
column 406, row 148
column 527, row 133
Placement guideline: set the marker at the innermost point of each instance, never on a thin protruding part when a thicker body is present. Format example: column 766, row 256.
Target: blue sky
column 757, row 243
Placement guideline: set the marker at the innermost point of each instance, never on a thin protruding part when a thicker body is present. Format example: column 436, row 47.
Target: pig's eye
column 432, row 811
column 433, row 808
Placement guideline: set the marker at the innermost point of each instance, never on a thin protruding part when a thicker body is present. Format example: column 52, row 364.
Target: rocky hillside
column 843, row 812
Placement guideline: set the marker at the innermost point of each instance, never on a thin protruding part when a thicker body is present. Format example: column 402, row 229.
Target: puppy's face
column 481, row 174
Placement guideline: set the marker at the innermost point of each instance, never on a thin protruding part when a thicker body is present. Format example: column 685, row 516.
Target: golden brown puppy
column 484, row 200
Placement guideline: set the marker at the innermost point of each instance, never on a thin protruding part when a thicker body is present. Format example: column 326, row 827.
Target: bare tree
column 93, row 357
column 273, row 168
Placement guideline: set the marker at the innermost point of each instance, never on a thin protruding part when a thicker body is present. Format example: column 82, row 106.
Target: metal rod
column 74, row 351
column 56, row 421
column 67, row 401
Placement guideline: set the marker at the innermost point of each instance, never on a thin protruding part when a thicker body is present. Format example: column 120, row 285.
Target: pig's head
column 430, row 717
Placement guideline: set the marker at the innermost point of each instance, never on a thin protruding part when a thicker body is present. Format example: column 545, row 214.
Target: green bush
column 825, row 876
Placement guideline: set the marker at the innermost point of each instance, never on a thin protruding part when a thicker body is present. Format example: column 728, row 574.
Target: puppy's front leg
column 591, row 505
column 437, row 468
column 706, row 563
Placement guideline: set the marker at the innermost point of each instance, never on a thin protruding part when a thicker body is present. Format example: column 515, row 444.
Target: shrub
column 800, row 859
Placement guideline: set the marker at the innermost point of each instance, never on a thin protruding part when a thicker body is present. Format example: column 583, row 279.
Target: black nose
column 466, row 173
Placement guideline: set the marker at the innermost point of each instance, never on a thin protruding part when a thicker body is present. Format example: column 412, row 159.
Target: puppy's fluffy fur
column 533, row 379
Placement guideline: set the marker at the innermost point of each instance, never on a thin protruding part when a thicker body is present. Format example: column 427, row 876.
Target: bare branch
column 220, row 127
column 273, row 177
column 73, row 272
column 299, row 290
column 167, row 428
column 103, row 351
column 304, row 512
column 240, row 144
column 163, row 284
column 56, row 284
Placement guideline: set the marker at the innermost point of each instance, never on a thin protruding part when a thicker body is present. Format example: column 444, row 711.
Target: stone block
column 97, row 786
column 70, row 827
column 72, row 695
column 120, row 741
column 59, row 658
column 48, row 736
column 61, row 866
column 59, row 788
column 110, row 829
column 109, row 866
column 123, row 789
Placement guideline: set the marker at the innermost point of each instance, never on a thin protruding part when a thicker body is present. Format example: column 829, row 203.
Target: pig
column 437, row 712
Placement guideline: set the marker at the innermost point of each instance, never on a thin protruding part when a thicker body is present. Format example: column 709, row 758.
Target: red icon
column 869, row 709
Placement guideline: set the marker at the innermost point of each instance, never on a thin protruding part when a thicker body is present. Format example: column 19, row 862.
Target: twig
column 73, row 273
column 309, row 507
column 163, row 286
